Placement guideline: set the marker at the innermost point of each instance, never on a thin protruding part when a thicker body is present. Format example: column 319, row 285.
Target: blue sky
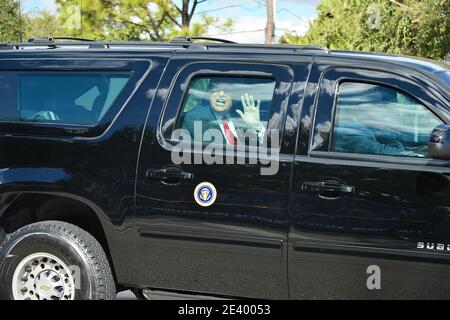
column 248, row 15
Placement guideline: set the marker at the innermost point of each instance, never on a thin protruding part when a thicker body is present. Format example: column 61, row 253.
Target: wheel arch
column 23, row 208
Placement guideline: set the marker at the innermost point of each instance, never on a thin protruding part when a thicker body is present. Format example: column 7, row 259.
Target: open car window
column 227, row 107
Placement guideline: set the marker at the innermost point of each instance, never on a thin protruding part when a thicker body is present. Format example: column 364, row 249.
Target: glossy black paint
column 267, row 236
column 2, row 235
column 238, row 246
column 394, row 203
column 65, row 161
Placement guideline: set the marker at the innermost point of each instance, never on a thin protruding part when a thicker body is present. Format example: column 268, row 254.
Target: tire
column 54, row 260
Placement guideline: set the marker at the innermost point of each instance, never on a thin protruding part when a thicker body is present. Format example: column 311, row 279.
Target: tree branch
column 175, row 6
column 194, row 6
column 174, row 20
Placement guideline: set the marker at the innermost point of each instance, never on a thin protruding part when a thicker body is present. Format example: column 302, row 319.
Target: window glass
column 8, row 96
column 372, row 119
column 230, row 108
column 60, row 97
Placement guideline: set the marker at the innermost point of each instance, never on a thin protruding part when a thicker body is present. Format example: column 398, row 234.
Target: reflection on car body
column 87, row 139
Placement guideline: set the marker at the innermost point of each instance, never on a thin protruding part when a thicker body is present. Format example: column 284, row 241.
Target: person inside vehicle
column 360, row 126
column 220, row 112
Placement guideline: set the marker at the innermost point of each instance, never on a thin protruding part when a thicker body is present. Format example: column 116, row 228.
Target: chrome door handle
column 328, row 190
column 169, row 176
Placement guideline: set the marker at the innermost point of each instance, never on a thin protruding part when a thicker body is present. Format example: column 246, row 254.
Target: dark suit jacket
column 203, row 113
column 356, row 138
column 206, row 116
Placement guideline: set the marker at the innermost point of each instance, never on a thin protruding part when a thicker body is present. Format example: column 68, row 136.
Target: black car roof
column 178, row 43
column 425, row 65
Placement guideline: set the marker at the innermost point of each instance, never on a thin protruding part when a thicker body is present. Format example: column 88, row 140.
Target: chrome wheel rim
column 43, row 276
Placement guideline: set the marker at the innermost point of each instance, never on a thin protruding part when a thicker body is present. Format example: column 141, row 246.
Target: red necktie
column 231, row 139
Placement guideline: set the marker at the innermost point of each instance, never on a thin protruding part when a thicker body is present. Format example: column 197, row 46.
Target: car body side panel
column 397, row 203
column 237, row 246
column 316, row 249
column 98, row 171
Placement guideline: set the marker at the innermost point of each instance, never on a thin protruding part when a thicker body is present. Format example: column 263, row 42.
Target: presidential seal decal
column 205, row 194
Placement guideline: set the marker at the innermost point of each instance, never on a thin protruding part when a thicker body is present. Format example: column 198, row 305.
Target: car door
column 70, row 127
column 234, row 245
column 370, row 215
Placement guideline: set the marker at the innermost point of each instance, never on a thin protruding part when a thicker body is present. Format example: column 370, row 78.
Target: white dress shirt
column 231, row 125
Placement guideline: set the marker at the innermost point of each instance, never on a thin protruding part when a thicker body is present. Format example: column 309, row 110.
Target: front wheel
column 54, row 260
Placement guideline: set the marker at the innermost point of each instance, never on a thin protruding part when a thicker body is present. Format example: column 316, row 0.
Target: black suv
column 112, row 171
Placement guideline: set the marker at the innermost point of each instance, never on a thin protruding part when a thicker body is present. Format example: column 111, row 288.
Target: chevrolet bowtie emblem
column 45, row 288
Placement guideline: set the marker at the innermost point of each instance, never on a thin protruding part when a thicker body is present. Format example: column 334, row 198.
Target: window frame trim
column 65, row 124
column 369, row 160
column 328, row 154
column 235, row 70
column 199, row 74
column 375, row 83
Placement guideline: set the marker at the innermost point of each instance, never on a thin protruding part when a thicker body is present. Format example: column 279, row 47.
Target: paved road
column 127, row 295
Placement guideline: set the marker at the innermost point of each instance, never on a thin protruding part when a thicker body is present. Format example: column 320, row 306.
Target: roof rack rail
column 177, row 43
column 192, row 39
column 5, row 46
column 52, row 39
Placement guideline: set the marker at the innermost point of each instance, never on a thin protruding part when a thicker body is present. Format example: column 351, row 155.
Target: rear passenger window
column 378, row 120
column 231, row 106
column 60, row 97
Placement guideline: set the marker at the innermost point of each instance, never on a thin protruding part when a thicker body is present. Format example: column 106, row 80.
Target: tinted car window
column 8, row 96
column 373, row 119
column 60, row 97
column 232, row 106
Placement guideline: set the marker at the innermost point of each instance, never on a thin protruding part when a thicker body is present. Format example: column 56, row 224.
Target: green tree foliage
column 155, row 20
column 41, row 24
column 411, row 27
column 9, row 21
